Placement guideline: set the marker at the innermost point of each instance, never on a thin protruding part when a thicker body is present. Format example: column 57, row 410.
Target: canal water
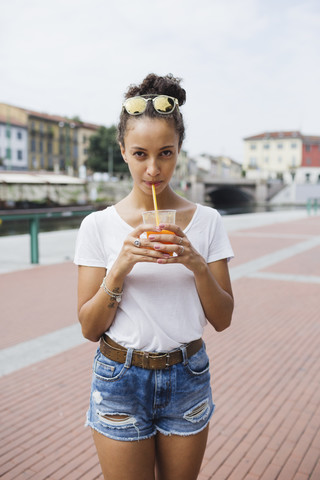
column 19, row 227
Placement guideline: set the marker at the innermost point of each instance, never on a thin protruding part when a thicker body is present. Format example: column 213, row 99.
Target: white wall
column 18, row 144
column 269, row 159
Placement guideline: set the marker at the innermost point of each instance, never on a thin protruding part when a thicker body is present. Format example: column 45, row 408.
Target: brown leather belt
column 149, row 360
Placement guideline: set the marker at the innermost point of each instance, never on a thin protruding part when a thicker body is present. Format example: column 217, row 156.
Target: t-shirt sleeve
column 219, row 246
column 89, row 248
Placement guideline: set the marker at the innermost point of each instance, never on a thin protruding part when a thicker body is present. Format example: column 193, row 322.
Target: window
column 308, row 177
column 266, row 160
column 41, row 146
column 85, row 151
column 308, row 161
column 33, row 145
column 293, row 145
column 19, row 135
column 84, row 139
column 8, row 132
column 253, row 146
column 266, row 146
column 49, row 147
column 8, row 153
column 308, row 148
column 280, row 145
column 19, row 155
column 293, row 161
column 42, row 161
column 279, row 159
column 253, row 162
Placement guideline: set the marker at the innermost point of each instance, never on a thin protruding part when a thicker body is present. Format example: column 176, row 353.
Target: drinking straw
column 155, row 204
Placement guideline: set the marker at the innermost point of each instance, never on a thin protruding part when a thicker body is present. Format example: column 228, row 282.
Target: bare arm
column 96, row 309
column 215, row 293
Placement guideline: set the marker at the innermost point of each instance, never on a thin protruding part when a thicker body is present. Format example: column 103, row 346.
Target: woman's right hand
column 132, row 253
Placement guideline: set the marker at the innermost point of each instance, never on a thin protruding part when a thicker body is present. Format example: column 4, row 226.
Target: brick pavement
column 265, row 368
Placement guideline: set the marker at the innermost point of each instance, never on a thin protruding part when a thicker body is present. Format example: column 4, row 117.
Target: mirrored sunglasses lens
column 164, row 104
column 135, row 106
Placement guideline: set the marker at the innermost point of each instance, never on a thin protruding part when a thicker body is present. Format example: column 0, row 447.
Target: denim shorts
column 174, row 401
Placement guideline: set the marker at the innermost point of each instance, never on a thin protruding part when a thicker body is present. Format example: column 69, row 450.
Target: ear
column 123, row 152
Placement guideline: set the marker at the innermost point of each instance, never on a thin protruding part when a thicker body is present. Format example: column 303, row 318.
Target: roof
column 275, row 135
column 311, row 139
column 56, row 118
column 38, row 178
column 13, row 123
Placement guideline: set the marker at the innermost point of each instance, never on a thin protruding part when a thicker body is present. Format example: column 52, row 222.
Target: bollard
column 309, row 205
column 34, row 243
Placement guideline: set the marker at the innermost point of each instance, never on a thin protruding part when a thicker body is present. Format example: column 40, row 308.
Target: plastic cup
column 164, row 216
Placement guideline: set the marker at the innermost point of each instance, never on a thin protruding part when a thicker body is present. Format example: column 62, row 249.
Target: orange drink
column 165, row 232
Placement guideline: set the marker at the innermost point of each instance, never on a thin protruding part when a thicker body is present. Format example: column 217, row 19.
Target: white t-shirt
column 160, row 308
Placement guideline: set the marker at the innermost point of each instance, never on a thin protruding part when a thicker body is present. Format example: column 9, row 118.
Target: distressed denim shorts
column 174, row 401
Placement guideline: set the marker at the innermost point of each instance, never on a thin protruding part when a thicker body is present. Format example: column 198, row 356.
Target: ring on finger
column 181, row 250
column 137, row 243
column 180, row 240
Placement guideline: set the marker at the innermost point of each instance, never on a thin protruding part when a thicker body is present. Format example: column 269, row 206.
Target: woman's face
column 151, row 148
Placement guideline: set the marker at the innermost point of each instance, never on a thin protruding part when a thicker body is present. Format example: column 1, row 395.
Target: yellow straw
column 155, row 203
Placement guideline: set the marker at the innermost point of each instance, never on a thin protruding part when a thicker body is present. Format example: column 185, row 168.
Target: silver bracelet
column 117, row 296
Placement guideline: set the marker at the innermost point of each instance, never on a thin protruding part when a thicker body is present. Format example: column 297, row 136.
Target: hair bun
column 167, row 85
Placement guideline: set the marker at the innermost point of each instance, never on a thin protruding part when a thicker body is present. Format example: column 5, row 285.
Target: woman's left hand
column 179, row 245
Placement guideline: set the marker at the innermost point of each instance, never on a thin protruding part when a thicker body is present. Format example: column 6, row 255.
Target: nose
column 153, row 168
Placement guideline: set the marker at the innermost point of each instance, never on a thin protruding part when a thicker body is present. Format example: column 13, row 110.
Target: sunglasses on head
column 161, row 103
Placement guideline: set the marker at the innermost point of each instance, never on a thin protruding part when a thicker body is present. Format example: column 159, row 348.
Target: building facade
column 13, row 145
column 287, row 156
column 221, row 167
column 85, row 131
column 272, row 154
column 54, row 143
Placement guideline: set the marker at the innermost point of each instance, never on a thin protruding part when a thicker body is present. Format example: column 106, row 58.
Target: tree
column 104, row 152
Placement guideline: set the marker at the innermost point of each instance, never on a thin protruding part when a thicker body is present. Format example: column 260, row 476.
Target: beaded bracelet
column 117, row 296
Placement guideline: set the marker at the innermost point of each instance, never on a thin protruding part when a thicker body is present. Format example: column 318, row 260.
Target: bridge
column 227, row 192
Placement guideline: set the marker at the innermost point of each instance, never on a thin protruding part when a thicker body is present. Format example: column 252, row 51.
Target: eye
column 166, row 153
column 138, row 154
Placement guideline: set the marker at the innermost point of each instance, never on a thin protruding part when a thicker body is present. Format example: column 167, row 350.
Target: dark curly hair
column 154, row 84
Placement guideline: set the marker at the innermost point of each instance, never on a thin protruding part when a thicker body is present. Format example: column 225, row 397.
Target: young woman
column 151, row 400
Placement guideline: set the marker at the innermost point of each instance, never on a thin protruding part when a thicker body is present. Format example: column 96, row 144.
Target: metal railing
column 34, row 217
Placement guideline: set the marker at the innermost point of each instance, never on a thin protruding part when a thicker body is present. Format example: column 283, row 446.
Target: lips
column 156, row 184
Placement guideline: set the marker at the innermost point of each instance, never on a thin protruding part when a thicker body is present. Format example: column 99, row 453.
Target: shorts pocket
column 198, row 364
column 107, row 370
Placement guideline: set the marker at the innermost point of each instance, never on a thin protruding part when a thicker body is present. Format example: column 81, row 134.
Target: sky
column 248, row 66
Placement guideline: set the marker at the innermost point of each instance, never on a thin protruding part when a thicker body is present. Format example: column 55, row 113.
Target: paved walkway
column 265, row 368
